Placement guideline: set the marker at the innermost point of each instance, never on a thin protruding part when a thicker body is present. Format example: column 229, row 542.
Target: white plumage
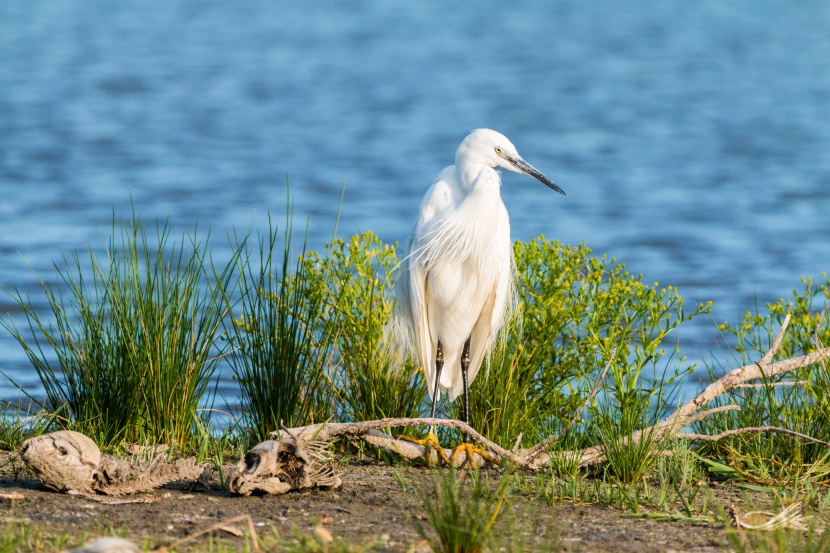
column 456, row 280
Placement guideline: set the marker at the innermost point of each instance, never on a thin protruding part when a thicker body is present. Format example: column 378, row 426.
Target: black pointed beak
column 524, row 167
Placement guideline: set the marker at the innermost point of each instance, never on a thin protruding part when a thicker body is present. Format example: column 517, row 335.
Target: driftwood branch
column 758, row 385
column 777, row 342
column 368, row 431
column 537, row 456
column 703, row 414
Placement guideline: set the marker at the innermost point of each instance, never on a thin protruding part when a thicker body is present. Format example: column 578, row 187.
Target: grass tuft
column 280, row 338
column 461, row 509
column 129, row 349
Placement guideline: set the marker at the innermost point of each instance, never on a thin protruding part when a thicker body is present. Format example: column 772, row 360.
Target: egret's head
column 493, row 149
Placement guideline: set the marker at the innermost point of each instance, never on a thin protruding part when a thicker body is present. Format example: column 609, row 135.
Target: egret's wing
column 423, row 343
column 412, row 310
column 400, row 334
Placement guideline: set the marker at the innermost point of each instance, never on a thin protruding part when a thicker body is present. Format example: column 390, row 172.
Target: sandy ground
column 370, row 506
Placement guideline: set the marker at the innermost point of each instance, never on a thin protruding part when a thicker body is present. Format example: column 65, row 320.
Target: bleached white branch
column 537, row 457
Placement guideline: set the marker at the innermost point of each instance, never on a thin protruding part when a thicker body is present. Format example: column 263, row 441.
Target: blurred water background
column 693, row 139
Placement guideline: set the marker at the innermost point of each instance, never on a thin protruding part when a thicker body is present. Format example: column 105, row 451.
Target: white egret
column 455, row 283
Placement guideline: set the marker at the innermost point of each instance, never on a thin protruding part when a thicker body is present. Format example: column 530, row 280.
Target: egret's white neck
column 477, row 176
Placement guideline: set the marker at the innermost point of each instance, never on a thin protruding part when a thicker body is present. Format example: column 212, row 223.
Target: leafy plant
column 575, row 312
column 356, row 278
column 798, row 400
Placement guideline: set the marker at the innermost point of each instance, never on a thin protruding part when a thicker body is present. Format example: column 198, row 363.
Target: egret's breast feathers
column 451, row 234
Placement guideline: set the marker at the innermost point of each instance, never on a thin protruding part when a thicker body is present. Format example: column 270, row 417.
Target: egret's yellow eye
column 498, row 151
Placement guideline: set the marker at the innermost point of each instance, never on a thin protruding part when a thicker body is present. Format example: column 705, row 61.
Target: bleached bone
column 68, row 461
column 279, row 466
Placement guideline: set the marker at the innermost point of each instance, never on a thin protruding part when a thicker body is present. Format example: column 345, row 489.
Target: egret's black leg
column 467, row 447
column 465, row 367
column 439, row 366
column 430, row 441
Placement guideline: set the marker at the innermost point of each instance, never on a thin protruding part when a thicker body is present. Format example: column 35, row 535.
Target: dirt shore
column 370, row 506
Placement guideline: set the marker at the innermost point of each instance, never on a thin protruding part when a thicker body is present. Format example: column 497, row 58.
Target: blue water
column 693, row 139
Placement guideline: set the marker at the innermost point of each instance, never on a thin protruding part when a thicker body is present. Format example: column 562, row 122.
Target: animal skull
column 278, row 466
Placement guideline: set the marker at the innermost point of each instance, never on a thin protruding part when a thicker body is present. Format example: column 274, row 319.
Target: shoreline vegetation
column 579, row 394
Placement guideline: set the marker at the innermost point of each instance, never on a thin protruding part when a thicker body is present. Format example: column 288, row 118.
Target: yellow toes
column 429, row 442
column 470, row 450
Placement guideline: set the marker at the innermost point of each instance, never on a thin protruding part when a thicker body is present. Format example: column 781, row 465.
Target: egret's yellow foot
column 470, row 449
column 429, row 442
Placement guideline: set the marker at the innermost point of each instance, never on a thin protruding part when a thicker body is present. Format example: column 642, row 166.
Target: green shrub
column 797, row 400
column 575, row 311
column 357, row 280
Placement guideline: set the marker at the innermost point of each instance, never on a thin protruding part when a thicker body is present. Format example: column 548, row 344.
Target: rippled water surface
column 693, row 139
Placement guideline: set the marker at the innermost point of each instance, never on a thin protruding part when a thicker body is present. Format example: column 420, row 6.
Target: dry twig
column 751, row 430
column 790, row 517
column 218, row 526
column 703, row 414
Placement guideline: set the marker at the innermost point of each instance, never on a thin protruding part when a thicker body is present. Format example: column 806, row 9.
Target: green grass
column 22, row 538
column 461, row 509
column 676, row 489
column 320, row 540
column 26, row 537
column 623, row 423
